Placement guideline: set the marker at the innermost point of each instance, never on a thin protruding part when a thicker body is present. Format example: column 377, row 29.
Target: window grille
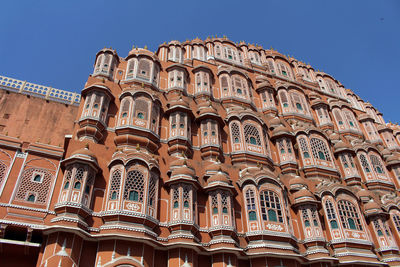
column 338, row 117
column 144, row 69
column 115, row 185
column 224, row 83
column 251, row 135
column 41, row 190
column 349, row 215
column 284, row 99
column 175, row 197
column 134, row 185
column 364, row 163
column 304, row 147
column 224, row 203
column 396, row 220
column 251, row 205
column 186, row 196
column 319, row 149
column 152, row 190
column 131, row 69
column 235, row 131
column 214, row 203
column 331, row 214
column 141, row 106
column 376, row 163
column 271, row 209
column 3, row 171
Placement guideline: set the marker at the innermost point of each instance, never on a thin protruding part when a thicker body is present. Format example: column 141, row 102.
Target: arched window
column 251, row 135
column 284, row 99
column 141, row 109
column 214, row 203
column 319, row 149
column 304, row 147
column 130, row 73
column 235, row 131
column 376, row 163
column 37, row 178
column 66, row 185
column 224, row 83
column 134, row 186
column 251, row 205
column 331, row 214
column 364, row 163
column 338, row 117
column 144, row 69
column 77, row 185
column 31, row 198
column 271, row 209
column 115, row 184
column 349, row 215
column 396, row 220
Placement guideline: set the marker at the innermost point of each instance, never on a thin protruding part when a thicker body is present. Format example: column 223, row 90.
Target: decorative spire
column 137, row 146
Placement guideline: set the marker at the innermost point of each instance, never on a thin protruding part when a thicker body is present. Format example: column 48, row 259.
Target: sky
column 54, row 43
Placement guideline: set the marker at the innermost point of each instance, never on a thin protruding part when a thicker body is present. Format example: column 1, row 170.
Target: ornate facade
column 209, row 153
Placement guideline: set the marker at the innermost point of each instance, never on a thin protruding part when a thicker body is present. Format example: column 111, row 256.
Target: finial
column 103, row 80
column 133, row 47
column 145, row 47
column 142, row 84
column 137, row 147
column 6, row 133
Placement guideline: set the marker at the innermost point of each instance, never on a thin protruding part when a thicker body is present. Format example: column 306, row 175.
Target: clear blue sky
column 358, row 42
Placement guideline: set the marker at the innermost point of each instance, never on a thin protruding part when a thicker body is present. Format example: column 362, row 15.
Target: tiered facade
column 204, row 153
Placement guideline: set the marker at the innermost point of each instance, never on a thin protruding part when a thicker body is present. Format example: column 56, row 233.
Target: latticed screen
column 271, row 209
column 28, row 188
column 235, row 132
column 152, row 190
column 396, row 220
column 376, row 163
column 349, row 215
column 364, row 163
column 304, row 147
column 115, row 185
column 319, row 149
column 214, row 203
column 251, row 135
column 144, row 69
column 134, row 186
column 3, row 171
column 141, row 108
column 331, row 214
column 251, row 205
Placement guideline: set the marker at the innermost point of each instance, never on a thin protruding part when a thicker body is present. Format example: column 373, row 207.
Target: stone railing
column 46, row 92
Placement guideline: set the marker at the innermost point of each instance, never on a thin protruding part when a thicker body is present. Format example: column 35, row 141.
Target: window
column 115, row 184
column 66, row 186
column 284, row 99
column 134, row 186
column 304, row 147
column 270, row 206
column 331, row 214
column 349, row 215
column 251, row 205
column 251, row 135
column 364, row 163
column 77, row 185
column 235, row 131
column 376, row 163
column 37, row 178
column 31, row 198
column 141, row 108
column 396, row 220
column 319, row 149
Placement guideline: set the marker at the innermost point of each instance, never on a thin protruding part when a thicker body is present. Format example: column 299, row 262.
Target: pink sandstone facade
column 204, row 153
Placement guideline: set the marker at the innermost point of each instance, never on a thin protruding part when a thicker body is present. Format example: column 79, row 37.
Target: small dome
column 178, row 101
column 303, row 193
column 297, row 182
column 184, row 170
column 275, row 122
column 219, row 177
column 371, row 206
column 85, row 151
column 281, row 130
column 215, row 166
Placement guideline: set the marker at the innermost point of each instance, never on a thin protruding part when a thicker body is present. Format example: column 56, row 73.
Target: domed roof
column 363, row 193
column 281, row 130
column 215, row 166
column 84, row 151
column 219, row 177
column 275, row 122
column 178, row 101
column 184, row 170
column 297, row 182
column 372, row 207
column 206, row 108
column 303, row 193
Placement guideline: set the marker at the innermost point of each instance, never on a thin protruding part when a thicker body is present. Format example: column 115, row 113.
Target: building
column 204, row 153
